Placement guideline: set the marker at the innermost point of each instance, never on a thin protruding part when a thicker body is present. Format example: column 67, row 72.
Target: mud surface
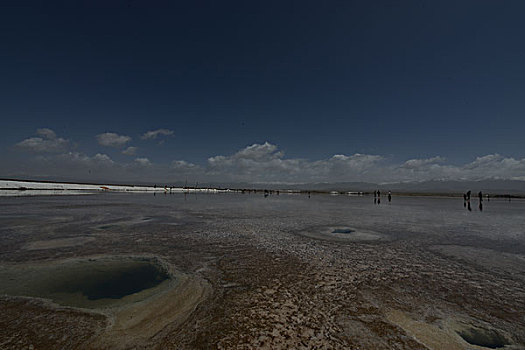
column 279, row 272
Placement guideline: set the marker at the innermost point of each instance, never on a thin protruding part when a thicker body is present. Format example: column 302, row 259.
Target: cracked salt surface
column 282, row 277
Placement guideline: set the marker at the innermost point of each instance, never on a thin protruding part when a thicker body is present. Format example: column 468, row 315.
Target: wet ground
column 88, row 283
column 243, row 271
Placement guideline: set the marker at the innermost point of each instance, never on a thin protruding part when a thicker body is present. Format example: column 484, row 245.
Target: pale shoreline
column 27, row 187
column 16, row 188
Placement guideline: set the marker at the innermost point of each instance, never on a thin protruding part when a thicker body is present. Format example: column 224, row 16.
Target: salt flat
column 286, row 271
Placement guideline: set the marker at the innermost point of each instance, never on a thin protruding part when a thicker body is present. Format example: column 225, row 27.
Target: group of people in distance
column 377, row 197
column 466, row 200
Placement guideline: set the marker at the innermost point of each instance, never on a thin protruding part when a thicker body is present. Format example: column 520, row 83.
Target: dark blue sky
column 401, row 79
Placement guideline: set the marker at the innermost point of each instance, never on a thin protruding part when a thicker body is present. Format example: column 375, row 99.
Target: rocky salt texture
column 430, row 272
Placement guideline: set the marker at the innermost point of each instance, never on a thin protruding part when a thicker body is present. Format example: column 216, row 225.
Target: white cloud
column 111, row 139
column 492, row 166
column 265, row 163
column 259, row 163
column 495, row 166
column 181, row 168
column 342, row 166
column 130, row 151
column 153, row 134
column 183, row 165
column 102, row 158
column 419, row 163
column 47, row 142
column 142, row 161
column 259, row 152
column 46, row 133
column 82, row 159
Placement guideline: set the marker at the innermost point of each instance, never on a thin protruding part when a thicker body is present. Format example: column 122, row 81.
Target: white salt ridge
column 31, row 188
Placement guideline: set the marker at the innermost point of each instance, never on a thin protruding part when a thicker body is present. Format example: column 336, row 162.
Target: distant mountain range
column 492, row 186
column 514, row 187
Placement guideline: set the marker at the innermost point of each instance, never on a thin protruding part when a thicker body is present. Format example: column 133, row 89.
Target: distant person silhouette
column 389, row 196
column 468, row 206
column 480, row 196
column 464, row 200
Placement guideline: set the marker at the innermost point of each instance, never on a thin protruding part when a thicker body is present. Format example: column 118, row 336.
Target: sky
column 262, row 91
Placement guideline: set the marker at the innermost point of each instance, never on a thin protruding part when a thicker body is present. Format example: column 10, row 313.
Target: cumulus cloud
column 110, row 139
column 422, row 163
column 46, row 142
column 153, row 134
column 183, row 165
column 102, row 158
column 81, row 159
column 263, row 163
column 181, row 168
column 258, row 162
column 259, row 152
column 491, row 166
column 495, row 166
column 46, row 133
column 352, row 168
column 142, row 161
column 130, row 151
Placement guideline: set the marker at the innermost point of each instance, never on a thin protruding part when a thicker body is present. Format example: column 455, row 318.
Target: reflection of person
column 466, row 197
